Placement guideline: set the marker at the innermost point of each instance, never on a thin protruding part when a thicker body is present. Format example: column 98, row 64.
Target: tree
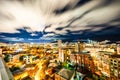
column 7, row 58
column 14, row 68
column 95, row 77
column 22, row 57
column 27, row 78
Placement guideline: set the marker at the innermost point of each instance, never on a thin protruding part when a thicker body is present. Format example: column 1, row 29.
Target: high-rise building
column 60, row 52
column 118, row 50
column 60, row 43
column 84, row 60
column 102, row 63
column 77, row 47
column 115, row 67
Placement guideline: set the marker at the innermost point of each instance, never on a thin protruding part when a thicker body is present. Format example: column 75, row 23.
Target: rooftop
column 65, row 73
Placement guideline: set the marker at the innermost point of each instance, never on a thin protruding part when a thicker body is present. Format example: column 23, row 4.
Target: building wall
column 60, row 49
column 83, row 60
column 115, row 67
column 103, row 63
column 118, row 50
column 58, row 77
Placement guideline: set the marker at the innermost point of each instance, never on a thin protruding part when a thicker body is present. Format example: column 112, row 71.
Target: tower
column 60, row 52
column 118, row 50
column 77, row 47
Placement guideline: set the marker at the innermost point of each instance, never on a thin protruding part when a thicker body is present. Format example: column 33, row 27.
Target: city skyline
column 68, row 20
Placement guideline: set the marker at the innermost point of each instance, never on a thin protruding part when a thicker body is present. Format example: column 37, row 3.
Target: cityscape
column 59, row 40
column 59, row 60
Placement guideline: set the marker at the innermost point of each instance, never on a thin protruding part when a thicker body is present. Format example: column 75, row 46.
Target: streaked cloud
column 13, row 39
column 55, row 19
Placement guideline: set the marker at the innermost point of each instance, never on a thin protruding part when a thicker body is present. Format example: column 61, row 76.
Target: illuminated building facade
column 118, row 49
column 103, row 63
column 77, row 47
column 28, row 59
column 60, row 51
column 115, row 66
column 84, row 60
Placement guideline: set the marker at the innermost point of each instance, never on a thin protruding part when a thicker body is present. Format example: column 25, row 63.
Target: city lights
column 59, row 39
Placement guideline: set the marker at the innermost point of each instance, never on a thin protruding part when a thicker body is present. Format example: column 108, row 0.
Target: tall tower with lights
column 60, row 52
column 118, row 49
column 77, row 47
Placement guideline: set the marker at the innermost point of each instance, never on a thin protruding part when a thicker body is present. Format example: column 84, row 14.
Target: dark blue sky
column 26, row 21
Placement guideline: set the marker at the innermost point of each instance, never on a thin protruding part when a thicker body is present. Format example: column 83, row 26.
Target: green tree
column 14, row 68
column 7, row 57
column 22, row 58
column 27, row 78
column 95, row 77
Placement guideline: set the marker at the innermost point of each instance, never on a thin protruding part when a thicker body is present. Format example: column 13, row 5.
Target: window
column 115, row 64
column 111, row 63
column 111, row 69
column 115, row 73
column 115, row 67
column 115, row 61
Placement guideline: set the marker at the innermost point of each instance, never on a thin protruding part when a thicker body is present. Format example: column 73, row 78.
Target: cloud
column 92, row 17
column 23, row 16
column 55, row 19
column 46, row 35
column 22, row 33
column 33, row 34
column 35, row 14
column 13, row 39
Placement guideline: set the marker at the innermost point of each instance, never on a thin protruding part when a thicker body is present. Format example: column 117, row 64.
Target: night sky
column 50, row 20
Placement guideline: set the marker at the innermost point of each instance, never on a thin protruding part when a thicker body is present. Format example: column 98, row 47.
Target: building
column 64, row 74
column 0, row 52
column 77, row 47
column 59, row 49
column 102, row 63
column 118, row 50
column 28, row 59
column 84, row 61
column 115, row 66
column 64, row 51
